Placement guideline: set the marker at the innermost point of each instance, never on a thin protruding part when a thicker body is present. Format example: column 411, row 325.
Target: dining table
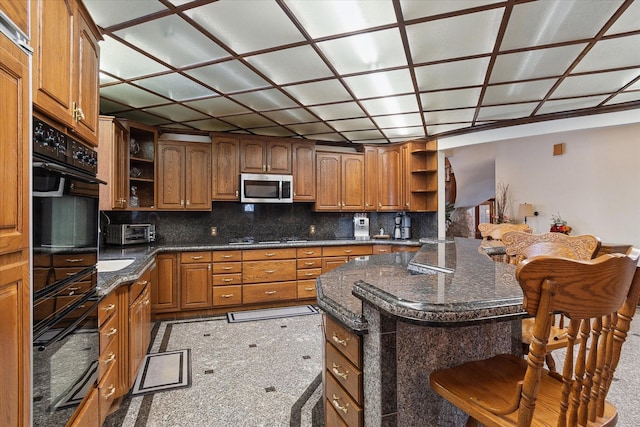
column 417, row 312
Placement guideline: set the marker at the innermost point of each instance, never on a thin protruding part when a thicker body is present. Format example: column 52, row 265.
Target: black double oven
column 65, row 253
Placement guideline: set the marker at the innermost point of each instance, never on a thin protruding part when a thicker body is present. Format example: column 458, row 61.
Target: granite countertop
column 143, row 255
column 443, row 284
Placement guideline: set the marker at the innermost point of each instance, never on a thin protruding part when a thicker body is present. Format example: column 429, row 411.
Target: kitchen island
column 414, row 313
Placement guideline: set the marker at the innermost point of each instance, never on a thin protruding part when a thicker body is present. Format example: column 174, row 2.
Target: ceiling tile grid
column 355, row 71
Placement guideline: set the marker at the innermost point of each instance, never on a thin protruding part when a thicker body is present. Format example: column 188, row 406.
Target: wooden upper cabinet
column 304, row 171
column 65, row 65
column 390, row 178
column 225, row 176
column 183, row 176
column 265, row 156
column 113, row 167
column 339, row 182
column 370, row 178
column 18, row 13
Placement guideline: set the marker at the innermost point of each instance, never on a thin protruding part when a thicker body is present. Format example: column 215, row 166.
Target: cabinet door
column 164, row 287
column 53, row 37
column 371, row 178
column 226, row 169
column 330, row 263
column 253, row 156
column 278, row 157
column 304, row 172
column 352, row 182
column 18, row 13
column 195, row 286
column 196, row 180
column 171, row 166
column 88, row 60
column 328, row 182
column 389, row 179
column 113, row 152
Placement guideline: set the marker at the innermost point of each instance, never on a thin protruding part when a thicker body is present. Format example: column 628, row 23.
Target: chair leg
column 472, row 422
column 551, row 363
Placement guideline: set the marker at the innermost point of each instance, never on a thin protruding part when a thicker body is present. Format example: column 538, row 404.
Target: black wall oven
column 65, row 254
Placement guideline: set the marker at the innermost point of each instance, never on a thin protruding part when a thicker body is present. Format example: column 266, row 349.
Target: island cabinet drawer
column 227, row 295
column 309, row 273
column 332, row 418
column 227, row 256
column 108, row 332
column 343, row 371
column 107, row 389
column 227, row 279
column 382, row 249
column 268, row 271
column 191, row 257
column 306, row 289
column 107, row 358
column 349, row 250
column 309, row 263
column 266, row 292
column 345, row 341
column 107, row 307
column 309, row 252
column 350, row 412
column 266, row 254
column 227, row 267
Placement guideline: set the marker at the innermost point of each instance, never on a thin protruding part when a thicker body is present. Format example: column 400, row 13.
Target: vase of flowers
column 502, row 200
column 559, row 225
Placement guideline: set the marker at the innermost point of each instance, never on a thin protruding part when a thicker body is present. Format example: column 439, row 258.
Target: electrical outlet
column 312, row 230
column 214, row 231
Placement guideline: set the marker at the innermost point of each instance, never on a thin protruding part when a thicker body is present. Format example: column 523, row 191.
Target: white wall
column 595, row 185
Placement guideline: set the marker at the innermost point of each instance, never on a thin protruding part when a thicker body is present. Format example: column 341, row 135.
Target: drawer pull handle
column 74, row 259
column 113, row 331
column 109, row 359
column 270, row 254
column 308, row 289
column 227, row 268
column 340, row 341
column 227, row 280
column 227, row 295
column 143, row 282
column 336, row 371
column 270, row 271
column 227, row 256
column 109, row 307
column 348, row 251
column 112, row 390
column 308, row 274
column 270, row 292
column 309, row 252
column 197, row 257
column 336, row 403
column 309, row 263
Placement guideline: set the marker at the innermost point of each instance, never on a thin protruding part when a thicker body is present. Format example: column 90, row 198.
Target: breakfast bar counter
column 417, row 312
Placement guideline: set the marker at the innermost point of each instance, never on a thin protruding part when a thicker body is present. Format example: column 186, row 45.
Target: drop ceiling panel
column 218, row 106
column 627, row 22
column 591, row 84
column 350, row 124
column 229, row 76
column 142, row 117
column 625, row 97
column 572, row 104
column 414, row 9
column 455, row 98
column 398, row 120
column 311, row 128
column 364, row 135
column 211, row 125
column 342, row 110
column 295, row 115
column 110, row 12
column 612, row 53
column 269, row 99
column 450, row 75
column 124, row 62
column 291, row 65
column 388, row 105
column 402, row 134
column 248, row 121
column 175, row 86
column 130, row 95
column 517, row 92
column 503, row 112
column 176, row 113
column 380, row 84
column 319, row 92
column 449, row 116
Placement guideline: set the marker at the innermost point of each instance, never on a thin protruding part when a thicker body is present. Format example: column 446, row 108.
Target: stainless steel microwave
column 266, row 188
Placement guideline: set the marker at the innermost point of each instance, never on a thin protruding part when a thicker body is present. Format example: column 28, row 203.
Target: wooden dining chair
column 600, row 298
column 519, row 246
column 494, row 232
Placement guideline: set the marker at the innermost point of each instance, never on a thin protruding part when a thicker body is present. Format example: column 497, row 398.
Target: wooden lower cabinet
column 195, row 280
column 164, row 284
column 269, row 292
column 88, row 414
column 343, row 378
column 227, row 295
column 139, row 332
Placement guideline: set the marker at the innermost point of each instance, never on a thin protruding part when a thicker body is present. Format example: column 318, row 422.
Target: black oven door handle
column 72, row 327
column 52, row 167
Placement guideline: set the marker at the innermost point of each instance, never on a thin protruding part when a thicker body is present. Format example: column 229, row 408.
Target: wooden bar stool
column 600, row 297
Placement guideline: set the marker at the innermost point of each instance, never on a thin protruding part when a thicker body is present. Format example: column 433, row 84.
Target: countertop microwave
column 266, row 188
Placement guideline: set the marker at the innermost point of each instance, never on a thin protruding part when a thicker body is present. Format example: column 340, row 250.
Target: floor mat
column 270, row 313
column 164, row 371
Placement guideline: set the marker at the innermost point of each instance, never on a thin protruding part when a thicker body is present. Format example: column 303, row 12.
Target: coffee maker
column 406, row 226
column 397, row 229
column 360, row 226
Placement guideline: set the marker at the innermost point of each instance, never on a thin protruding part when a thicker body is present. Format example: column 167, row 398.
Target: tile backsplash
column 262, row 222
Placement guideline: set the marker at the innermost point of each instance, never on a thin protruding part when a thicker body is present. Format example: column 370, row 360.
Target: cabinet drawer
column 309, row 263
column 345, row 406
column 382, row 249
column 227, row 267
column 108, row 332
column 343, row 371
column 268, row 271
column 107, row 307
column 190, row 257
column 332, row 418
column 224, row 256
column 107, row 392
column 350, row 250
column 71, row 260
column 306, row 289
column 345, row 341
column 309, row 273
column 227, row 279
column 309, row 252
column 227, row 295
column 107, row 358
column 266, row 254
column 266, row 292
column 136, row 288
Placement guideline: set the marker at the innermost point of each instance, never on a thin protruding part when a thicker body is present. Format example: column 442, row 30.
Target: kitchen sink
column 113, row 264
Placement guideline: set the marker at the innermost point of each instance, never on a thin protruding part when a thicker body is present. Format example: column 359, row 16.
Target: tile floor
column 266, row 373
